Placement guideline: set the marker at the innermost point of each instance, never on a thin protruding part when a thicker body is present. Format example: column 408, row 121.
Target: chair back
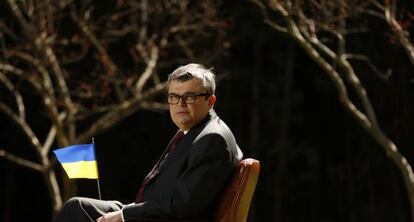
column 235, row 201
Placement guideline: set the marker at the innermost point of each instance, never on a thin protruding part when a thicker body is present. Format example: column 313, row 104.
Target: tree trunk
column 54, row 192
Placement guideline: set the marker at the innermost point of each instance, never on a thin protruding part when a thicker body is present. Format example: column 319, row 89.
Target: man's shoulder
column 216, row 125
column 213, row 125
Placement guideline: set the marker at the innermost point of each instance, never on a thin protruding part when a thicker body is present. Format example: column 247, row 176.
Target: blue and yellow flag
column 78, row 161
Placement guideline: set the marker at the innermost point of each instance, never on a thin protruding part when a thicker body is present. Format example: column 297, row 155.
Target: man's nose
column 182, row 102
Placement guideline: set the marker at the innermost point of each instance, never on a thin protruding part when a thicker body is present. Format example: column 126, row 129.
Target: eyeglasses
column 188, row 98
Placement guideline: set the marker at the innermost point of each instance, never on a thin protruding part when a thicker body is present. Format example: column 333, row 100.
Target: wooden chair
column 234, row 204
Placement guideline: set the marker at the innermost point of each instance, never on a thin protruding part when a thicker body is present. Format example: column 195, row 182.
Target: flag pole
column 97, row 179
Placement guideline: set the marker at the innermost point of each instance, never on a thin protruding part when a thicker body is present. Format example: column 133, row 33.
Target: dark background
column 317, row 163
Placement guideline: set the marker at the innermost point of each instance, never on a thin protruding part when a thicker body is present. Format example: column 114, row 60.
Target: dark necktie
column 155, row 170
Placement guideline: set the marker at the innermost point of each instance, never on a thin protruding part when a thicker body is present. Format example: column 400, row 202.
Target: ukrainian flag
column 78, row 161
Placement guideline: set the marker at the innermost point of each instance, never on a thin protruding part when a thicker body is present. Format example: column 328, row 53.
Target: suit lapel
column 185, row 142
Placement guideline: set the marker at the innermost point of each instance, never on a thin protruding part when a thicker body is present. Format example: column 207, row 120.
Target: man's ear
column 212, row 100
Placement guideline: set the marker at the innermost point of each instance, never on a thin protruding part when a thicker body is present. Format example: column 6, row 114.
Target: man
column 186, row 181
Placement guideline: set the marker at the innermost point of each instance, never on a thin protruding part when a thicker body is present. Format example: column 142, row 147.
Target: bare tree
column 92, row 64
column 321, row 28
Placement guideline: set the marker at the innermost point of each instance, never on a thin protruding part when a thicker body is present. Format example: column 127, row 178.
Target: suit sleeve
column 208, row 169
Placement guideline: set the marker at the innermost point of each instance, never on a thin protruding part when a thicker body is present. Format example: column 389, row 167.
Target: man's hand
column 111, row 217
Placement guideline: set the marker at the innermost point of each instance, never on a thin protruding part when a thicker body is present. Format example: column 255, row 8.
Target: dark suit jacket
column 193, row 176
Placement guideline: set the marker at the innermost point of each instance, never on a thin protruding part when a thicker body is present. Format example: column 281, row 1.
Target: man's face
column 186, row 115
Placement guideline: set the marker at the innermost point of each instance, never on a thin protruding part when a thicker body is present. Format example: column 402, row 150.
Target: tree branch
column 34, row 141
column 367, row 121
column 402, row 34
column 119, row 113
column 50, row 138
column 16, row 94
column 21, row 162
column 149, row 70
